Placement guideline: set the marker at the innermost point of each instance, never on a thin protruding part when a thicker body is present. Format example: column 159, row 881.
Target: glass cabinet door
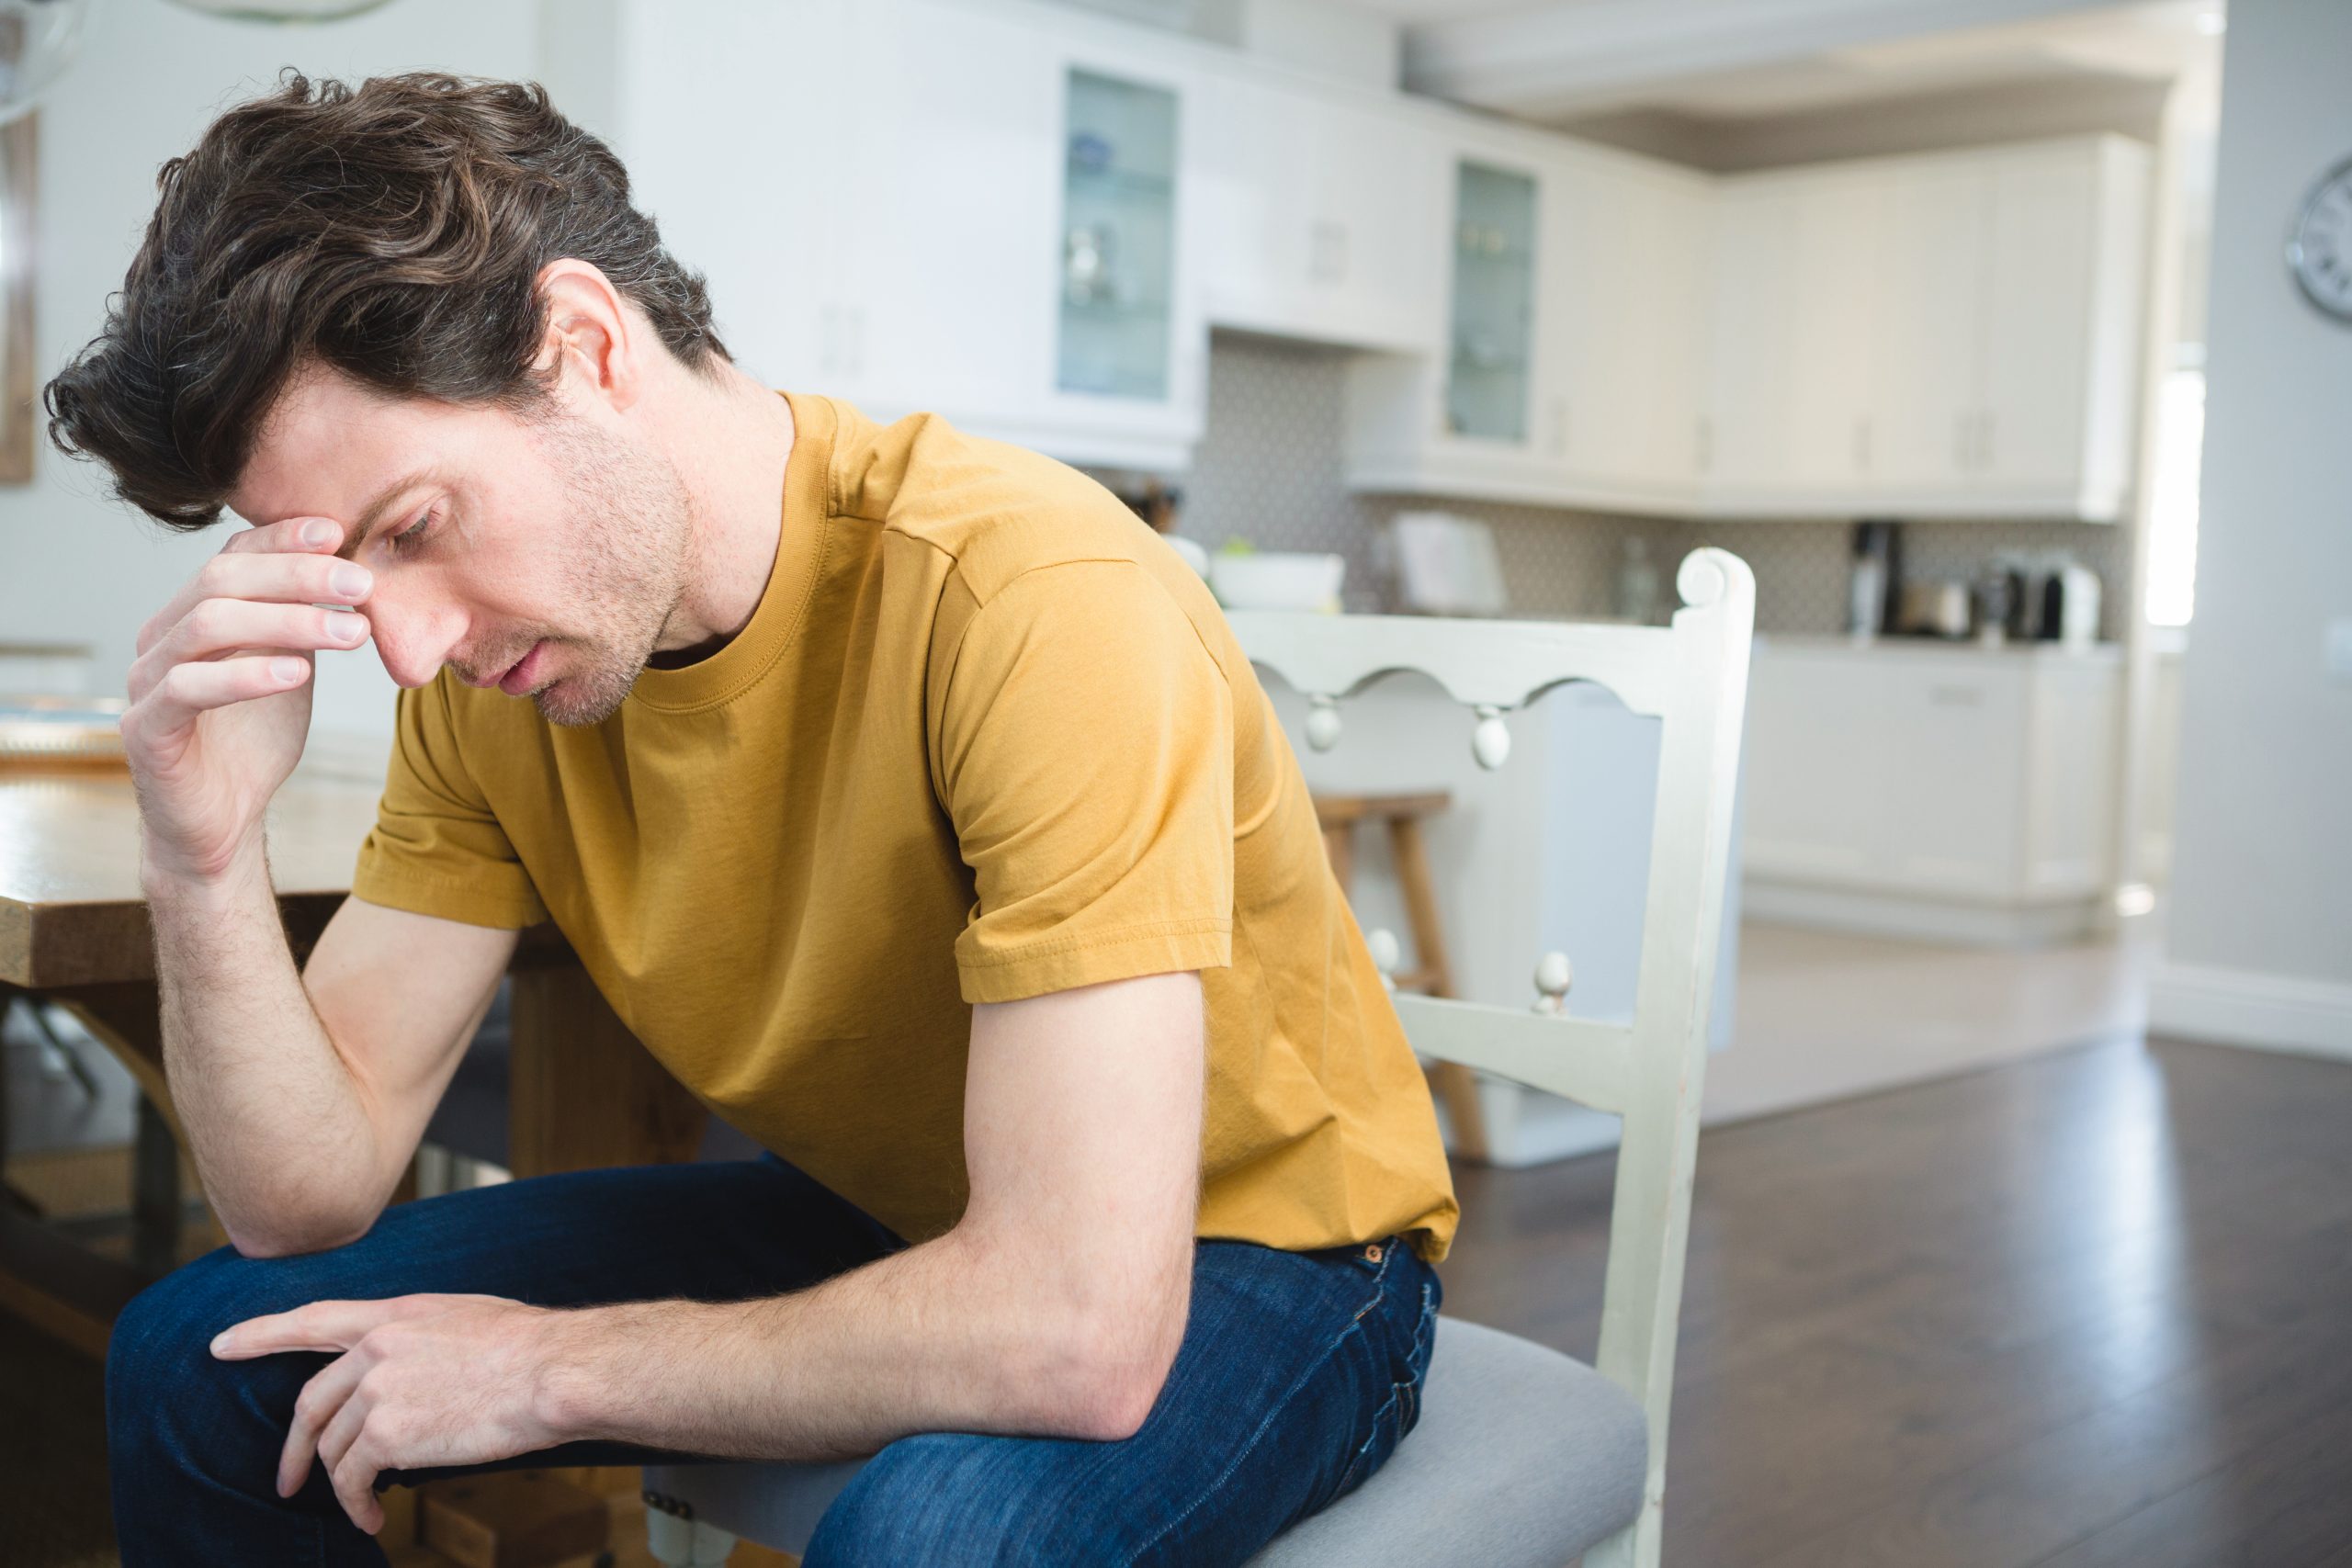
column 1118, row 238
column 1493, row 305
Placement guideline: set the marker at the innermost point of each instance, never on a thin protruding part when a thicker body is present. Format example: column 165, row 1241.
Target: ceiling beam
column 1559, row 58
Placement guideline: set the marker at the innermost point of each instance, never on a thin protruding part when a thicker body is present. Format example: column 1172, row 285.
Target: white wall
column 76, row 566
column 2261, row 935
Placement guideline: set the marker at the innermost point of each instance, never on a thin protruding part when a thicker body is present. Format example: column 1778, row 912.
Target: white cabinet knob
column 1490, row 742
column 1386, row 955
column 1322, row 722
column 1553, row 976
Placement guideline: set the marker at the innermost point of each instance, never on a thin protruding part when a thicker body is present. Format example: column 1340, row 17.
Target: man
column 911, row 802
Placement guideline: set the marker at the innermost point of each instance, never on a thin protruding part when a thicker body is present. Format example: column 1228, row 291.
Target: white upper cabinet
column 1027, row 218
column 1314, row 215
column 1013, row 225
column 1631, row 249
column 1950, row 335
column 2065, row 277
column 1927, row 377
column 1789, row 413
column 1470, row 417
column 1570, row 370
column 984, row 220
column 751, row 225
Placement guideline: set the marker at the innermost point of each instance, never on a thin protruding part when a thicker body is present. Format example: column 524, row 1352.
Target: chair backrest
column 1693, row 676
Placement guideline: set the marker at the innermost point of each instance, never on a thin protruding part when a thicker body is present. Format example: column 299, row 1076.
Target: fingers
column 289, row 579
column 355, row 1482
column 322, row 1326
column 322, row 1399
column 187, row 690
column 218, row 626
column 297, row 533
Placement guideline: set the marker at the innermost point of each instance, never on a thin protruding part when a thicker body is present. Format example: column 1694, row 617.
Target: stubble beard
column 624, row 571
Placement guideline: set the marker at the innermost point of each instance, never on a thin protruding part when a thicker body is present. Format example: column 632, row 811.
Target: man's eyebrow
column 375, row 510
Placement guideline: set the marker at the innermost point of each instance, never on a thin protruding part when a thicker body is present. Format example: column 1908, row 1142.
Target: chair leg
column 678, row 1541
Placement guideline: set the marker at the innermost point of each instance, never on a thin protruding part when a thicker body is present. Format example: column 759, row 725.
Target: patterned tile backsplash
column 1269, row 469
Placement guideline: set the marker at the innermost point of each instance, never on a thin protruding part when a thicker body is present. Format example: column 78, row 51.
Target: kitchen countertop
column 1943, row 648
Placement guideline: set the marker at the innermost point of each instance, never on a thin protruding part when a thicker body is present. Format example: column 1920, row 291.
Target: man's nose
column 412, row 637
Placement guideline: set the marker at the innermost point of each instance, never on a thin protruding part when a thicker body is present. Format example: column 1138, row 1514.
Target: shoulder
column 998, row 512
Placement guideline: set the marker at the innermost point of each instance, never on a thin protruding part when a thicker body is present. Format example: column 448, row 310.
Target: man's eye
column 412, row 535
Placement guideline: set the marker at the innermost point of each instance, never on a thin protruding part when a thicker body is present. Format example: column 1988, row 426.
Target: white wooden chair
column 1522, row 1456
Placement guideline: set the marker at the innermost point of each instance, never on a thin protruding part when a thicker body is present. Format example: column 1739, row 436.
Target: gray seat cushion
column 1522, row 1457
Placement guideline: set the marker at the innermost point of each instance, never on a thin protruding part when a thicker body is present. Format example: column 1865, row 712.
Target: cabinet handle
column 1985, row 440
column 1862, row 445
column 1560, row 427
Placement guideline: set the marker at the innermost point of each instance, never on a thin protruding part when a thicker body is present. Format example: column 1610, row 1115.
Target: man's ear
column 593, row 345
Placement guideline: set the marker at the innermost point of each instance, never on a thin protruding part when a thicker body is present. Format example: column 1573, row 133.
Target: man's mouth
column 524, row 674
column 505, row 679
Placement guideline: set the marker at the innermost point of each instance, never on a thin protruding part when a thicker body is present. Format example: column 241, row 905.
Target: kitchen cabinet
column 1312, row 210
column 984, row 220
column 1948, row 792
column 1627, row 334
column 1789, row 408
column 1118, row 238
column 1999, row 295
column 1027, row 218
column 1465, row 420
column 1490, row 336
column 1570, row 373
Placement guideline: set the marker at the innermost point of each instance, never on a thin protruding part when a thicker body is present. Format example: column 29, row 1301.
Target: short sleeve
column 1083, row 749
column 437, row 848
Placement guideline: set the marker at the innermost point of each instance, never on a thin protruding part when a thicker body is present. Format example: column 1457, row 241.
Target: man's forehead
column 330, row 447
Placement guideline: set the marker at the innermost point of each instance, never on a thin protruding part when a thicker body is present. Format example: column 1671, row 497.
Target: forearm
column 961, row 1334
column 274, row 1121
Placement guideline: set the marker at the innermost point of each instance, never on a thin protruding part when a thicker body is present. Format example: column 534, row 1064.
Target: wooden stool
column 1338, row 815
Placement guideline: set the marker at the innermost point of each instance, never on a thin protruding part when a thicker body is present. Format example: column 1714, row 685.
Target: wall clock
column 2319, row 248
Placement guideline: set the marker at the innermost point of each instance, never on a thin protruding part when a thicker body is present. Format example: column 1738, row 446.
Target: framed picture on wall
column 17, row 170
column 18, row 147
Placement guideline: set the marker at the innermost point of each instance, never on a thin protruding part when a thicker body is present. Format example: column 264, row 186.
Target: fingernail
column 345, row 626
column 288, row 670
column 318, row 531
column 221, row 1341
column 349, row 581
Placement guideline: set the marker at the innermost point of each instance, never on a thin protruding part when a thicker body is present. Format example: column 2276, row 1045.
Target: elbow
column 1117, row 1406
column 320, row 1233
column 1113, row 1372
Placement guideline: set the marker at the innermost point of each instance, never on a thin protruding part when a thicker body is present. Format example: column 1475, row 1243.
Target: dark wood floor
column 2086, row 1311
column 2089, row 1310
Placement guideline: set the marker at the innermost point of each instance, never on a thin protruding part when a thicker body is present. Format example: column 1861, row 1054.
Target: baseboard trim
column 1865, row 913
column 2243, row 1007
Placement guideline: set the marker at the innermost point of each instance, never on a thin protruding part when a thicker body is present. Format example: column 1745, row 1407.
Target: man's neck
column 730, row 439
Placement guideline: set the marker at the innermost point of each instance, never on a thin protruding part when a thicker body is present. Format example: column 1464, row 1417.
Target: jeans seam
column 1355, row 1327
column 1349, row 1474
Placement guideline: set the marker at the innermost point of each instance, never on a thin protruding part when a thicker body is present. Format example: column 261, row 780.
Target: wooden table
column 73, row 929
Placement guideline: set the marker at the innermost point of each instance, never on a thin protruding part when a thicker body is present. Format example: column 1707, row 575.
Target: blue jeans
column 1298, row 1375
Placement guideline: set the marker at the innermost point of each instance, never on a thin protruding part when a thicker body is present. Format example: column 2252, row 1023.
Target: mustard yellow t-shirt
column 985, row 737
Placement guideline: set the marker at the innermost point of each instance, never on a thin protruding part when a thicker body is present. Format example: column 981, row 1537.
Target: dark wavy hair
column 393, row 231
